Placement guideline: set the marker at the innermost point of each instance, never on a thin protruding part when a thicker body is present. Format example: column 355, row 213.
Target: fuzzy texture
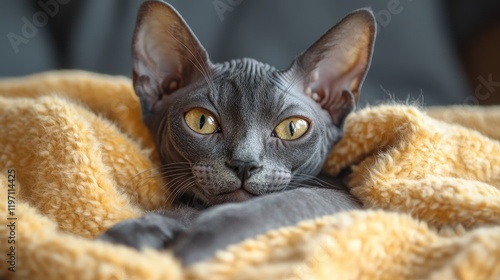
column 84, row 161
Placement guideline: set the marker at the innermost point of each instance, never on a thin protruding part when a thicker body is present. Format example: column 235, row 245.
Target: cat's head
column 230, row 131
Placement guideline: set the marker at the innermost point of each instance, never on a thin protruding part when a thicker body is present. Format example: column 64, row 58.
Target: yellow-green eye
column 201, row 121
column 291, row 128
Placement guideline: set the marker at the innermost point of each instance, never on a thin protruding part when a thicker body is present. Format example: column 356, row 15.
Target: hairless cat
column 241, row 143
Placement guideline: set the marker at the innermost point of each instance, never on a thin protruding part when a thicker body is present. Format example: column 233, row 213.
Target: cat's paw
column 152, row 231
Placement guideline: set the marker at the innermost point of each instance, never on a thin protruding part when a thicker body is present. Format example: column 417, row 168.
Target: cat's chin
column 238, row 195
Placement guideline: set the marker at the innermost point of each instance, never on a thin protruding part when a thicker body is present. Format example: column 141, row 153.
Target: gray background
column 416, row 53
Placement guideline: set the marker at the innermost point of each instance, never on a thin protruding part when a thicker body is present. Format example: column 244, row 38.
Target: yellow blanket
column 75, row 158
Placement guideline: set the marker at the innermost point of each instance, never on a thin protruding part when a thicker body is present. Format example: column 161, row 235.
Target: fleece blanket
column 75, row 159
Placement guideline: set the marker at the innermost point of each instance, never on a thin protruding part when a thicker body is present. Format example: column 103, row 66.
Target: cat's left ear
column 332, row 70
column 167, row 55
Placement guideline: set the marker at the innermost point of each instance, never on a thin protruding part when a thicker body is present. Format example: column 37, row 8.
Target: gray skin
column 242, row 180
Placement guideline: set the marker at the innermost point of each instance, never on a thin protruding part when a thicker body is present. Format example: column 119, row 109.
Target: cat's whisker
column 171, row 168
column 175, row 166
column 308, row 179
column 295, row 185
column 160, row 172
column 175, row 173
column 154, row 169
column 149, row 179
column 136, row 176
column 174, row 163
column 170, row 186
column 314, row 182
column 141, row 177
column 156, row 174
column 169, row 165
column 171, row 196
column 179, row 189
column 174, row 178
column 164, row 193
column 185, row 186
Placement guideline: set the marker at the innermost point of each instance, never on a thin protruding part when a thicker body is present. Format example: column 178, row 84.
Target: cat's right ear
column 332, row 70
column 166, row 55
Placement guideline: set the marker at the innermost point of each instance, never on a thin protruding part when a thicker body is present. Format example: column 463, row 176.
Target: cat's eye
column 291, row 128
column 201, row 121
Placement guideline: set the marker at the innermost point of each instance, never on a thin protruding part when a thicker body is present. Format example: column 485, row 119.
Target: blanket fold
column 416, row 164
column 429, row 179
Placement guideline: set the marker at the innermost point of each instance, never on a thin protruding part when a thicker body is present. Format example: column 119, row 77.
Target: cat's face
column 249, row 132
column 231, row 131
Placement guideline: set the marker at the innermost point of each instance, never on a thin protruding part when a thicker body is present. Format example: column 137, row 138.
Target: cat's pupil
column 202, row 121
column 291, row 127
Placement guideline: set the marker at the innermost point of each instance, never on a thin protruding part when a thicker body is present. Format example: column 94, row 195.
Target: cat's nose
column 244, row 169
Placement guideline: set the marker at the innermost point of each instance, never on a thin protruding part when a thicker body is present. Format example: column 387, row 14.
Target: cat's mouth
column 238, row 195
column 192, row 200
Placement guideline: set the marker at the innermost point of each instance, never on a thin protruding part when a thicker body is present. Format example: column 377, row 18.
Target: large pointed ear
column 166, row 55
column 332, row 70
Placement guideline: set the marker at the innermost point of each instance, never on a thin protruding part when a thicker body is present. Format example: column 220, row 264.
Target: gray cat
column 241, row 133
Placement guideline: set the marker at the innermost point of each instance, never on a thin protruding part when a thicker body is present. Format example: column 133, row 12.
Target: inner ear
column 332, row 70
column 166, row 55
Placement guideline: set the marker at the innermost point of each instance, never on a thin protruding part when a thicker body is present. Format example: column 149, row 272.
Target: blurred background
column 435, row 52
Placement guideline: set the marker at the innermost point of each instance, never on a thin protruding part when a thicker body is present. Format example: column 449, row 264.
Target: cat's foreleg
column 220, row 226
column 157, row 229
